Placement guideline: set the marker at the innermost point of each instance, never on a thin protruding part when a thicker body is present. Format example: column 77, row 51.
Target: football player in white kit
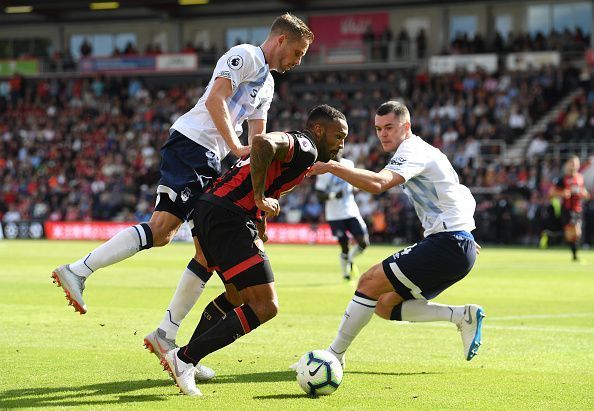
column 342, row 213
column 241, row 88
column 399, row 287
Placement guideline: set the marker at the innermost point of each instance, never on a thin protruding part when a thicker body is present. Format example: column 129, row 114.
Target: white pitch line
column 523, row 328
column 535, row 316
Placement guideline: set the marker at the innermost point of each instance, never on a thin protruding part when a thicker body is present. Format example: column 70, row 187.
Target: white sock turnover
column 357, row 315
column 188, row 291
column 123, row 245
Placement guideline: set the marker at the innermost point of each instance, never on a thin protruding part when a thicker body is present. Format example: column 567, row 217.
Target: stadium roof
column 54, row 11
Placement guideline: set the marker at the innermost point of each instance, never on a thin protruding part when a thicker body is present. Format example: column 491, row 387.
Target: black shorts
column 569, row 217
column 427, row 268
column 354, row 225
column 187, row 169
column 228, row 241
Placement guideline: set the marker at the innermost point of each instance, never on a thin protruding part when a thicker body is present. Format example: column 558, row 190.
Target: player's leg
column 157, row 232
column 571, row 237
column 217, row 309
column 359, row 311
column 256, row 287
column 357, row 227
column 345, row 262
column 392, row 306
column 185, row 169
column 422, row 272
column 261, row 305
column 338, row 228
column 190, row 287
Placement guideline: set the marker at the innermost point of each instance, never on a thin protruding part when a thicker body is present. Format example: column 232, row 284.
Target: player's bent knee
column 163, row 226
column 374, row 282
column 383, row 310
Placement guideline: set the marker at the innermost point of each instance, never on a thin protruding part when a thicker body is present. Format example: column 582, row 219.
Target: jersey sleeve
column 236, row 65
column 406, row 163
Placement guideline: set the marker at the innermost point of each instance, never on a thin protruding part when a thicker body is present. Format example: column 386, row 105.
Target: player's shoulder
column 304, row 141
column 244, row 54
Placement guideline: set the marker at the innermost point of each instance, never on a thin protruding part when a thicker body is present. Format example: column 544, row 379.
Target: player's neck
column 266, row 48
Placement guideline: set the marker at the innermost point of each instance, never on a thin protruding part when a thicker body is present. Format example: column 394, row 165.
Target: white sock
column 357, row 315
column 188, row 291
column 345, row 265
column 123, row 245
column 355, row 251
column 424, row 311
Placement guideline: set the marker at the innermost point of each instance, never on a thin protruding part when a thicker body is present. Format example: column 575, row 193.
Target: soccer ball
column 319, row 373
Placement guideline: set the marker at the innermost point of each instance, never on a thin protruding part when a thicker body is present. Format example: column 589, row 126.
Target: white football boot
column 73, row 285
column 181, row 372
column 470, row 328
column 157, row 343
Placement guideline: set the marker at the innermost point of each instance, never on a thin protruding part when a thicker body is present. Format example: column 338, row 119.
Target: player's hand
column 261, row 226
column 269, row 205
column 478, row 248
column 318, row 168
column 241, row 151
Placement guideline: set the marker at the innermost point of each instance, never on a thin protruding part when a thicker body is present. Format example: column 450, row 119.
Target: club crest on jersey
column 235, row 62
column 397, row 161
column 304, row 143
column 185, row 194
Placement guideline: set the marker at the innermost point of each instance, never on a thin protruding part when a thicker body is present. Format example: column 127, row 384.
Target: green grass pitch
column 537, row 352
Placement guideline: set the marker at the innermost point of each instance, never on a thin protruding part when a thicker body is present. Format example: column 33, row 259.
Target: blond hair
column 292, row 26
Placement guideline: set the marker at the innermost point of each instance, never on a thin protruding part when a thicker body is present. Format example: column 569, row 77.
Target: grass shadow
column 284, row 397
column 75, row 395
column 273, row 376
column 397, row 374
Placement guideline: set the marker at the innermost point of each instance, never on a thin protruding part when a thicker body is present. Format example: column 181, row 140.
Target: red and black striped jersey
column 234, row 188
column 575, row 185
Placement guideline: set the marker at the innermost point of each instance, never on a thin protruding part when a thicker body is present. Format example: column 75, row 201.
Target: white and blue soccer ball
column 319, row 373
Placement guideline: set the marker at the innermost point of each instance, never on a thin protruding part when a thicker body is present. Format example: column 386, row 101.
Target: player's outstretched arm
column 365, row 180
column 264, row 149
column 216, row 104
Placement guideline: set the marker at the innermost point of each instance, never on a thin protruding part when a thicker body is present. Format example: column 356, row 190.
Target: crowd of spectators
column 385, row 46
column 565, row 41
column 88, row 148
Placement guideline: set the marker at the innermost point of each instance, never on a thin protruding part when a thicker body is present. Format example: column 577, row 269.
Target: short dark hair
column 396, row 107
column 292, row 26
column 323, row 113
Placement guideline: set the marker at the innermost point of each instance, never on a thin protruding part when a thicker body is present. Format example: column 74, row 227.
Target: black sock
column 213, row 312
column 235, row 324
column 396, row 314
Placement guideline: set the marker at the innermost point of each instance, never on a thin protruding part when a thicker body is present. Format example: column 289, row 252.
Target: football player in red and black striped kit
column 230, row 225
column 570, row 188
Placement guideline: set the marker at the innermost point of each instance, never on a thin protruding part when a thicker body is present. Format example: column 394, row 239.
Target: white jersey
column 339, row 208
column 253, row 89
column 432, row 185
